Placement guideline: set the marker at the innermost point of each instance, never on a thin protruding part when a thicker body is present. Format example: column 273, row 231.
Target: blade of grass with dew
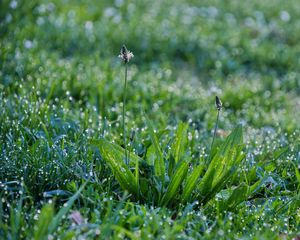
column 177, row 148
column 114, row 158
column 191, row 183
column 45, row 218
column 3, row 226
column 176, row 180
column 62, row 212
column 16, row 219
column 159, row 165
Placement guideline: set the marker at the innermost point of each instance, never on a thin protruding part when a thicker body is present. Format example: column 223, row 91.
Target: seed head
column 218, row 103
column 125, row 55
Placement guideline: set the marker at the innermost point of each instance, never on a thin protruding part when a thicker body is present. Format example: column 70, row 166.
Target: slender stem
column 215, row 132
column 136, row 166
column 137, row 176
column 123, row 114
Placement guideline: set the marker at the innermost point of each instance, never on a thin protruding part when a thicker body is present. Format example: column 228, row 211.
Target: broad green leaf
column 226, row 155
column 114, row 157
column 256, row 186
column 191, row 183
column 171, row 165
column 176, row 180
column 151, row 155
column 118, row 148
column 218, row 168
column 233, row 139
column 209, row 194
column 159, row 165
column 45, row 218
column 297, row 175
column 222, row 166
column 238, row 195
column 178, row 145
column 62, row 212
column 226, row 162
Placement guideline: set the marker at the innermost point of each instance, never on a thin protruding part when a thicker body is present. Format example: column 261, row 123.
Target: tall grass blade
column 176, row 180
column 159, row 165
column 63, row 211
column 45, row 218
column 191, row 183
column 178, row 146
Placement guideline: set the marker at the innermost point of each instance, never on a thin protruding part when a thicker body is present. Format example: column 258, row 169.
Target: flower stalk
column 218, row 105
column 125, row 55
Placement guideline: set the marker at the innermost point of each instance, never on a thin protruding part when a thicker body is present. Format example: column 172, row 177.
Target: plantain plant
column 174, row 178
column 167, row 179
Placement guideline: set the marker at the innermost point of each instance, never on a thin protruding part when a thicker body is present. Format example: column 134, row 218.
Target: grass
column 61, row 117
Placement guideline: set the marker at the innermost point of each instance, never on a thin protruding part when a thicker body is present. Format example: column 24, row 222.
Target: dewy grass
column 125, row 55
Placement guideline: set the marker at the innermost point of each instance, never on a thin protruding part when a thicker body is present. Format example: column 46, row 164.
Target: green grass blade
column 114, row 158
column 177, row 148
column 191, row 183
column 62, row 212
column 297, row 173
column 45, row 218
column 159, row 165
column 176, row 180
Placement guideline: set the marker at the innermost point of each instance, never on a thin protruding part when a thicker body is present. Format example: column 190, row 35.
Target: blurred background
column 186, row 52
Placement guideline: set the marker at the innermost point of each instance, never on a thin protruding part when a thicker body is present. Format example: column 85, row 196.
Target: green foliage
column 178, row 147
column 176, row 181
column 159, row 165
column 115, row 158
column 224, row 164
column 238, row 195
column 63, row 211
column 191, row 182
column 45, row 219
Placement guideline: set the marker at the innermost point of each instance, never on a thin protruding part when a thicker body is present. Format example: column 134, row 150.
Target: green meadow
column 103, row 141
